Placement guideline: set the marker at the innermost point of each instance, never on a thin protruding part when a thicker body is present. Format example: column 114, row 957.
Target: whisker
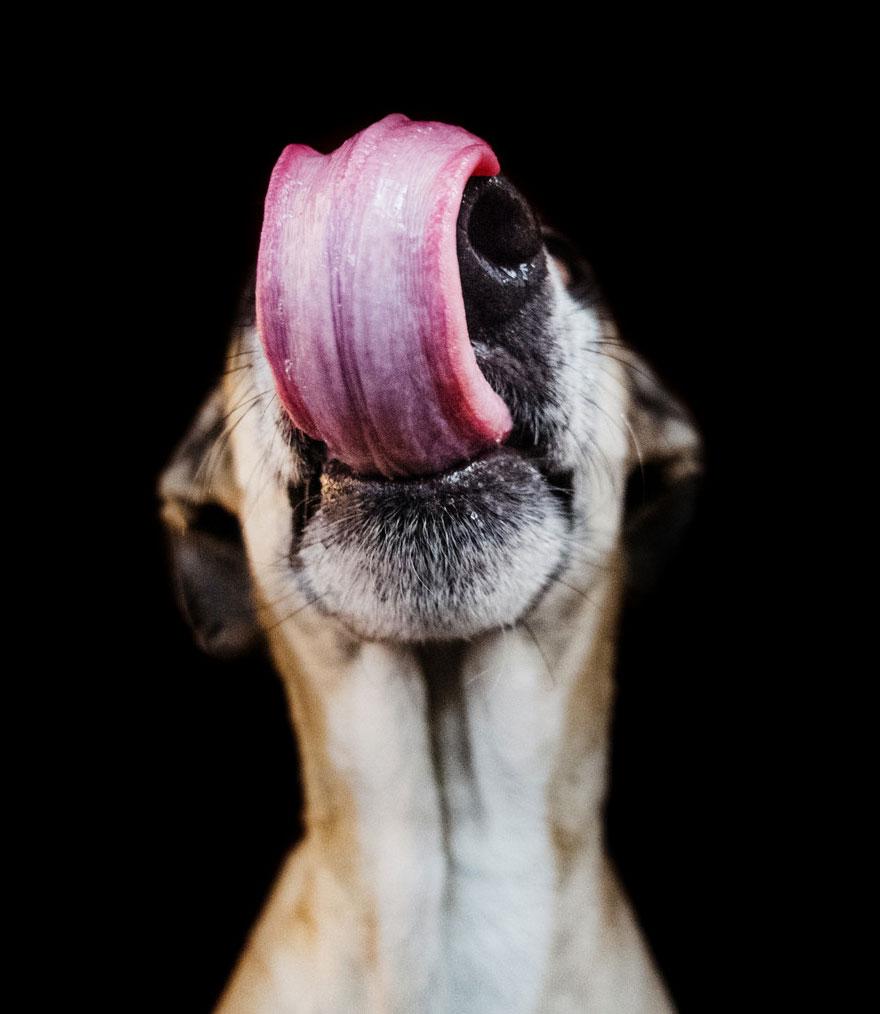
column 625, row 360
column 579, row 591
column 262, row 460
column 540, row 651
column 290, row 615
column 211, row 460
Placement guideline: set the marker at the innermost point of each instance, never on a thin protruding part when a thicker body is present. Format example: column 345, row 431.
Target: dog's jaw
column 449, row 556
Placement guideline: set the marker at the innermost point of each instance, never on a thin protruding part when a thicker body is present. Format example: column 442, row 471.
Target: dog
column 446, row 643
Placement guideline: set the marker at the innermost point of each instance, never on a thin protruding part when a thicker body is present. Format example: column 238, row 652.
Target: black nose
column 500, row 251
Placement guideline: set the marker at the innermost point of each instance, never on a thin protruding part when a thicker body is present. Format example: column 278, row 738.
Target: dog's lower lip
column 337, row 470
column 503, row 468
column 338, row 475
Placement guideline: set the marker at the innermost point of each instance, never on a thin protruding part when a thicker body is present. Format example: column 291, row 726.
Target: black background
column 656, row 186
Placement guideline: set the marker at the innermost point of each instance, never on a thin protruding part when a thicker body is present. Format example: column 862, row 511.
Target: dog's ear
column 208, row 563
column 664, row 477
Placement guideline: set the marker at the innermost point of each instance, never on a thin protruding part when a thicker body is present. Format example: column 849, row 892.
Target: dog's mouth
column 403, row 303
column 458, row 492
column 425, row 558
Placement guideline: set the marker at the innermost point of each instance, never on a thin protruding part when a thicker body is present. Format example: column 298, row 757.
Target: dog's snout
column 500, row 250
column 508, row 303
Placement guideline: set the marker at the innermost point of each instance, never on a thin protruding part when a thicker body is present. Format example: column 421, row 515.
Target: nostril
column 501, row 226
column 501, row 257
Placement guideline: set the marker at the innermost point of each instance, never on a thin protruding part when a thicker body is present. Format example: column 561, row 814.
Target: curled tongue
column 359, row 300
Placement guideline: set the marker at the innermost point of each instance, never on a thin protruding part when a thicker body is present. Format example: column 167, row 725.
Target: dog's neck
column 459, row 786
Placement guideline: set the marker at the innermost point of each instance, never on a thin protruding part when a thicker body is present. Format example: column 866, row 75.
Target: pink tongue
column 359, row 301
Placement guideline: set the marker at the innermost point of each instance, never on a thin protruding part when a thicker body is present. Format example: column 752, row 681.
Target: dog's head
column 268, row 526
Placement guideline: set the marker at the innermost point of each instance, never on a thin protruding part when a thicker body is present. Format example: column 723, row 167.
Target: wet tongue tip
column 359, row 301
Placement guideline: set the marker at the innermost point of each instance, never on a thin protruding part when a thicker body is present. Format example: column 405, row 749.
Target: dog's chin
column 450, row 556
